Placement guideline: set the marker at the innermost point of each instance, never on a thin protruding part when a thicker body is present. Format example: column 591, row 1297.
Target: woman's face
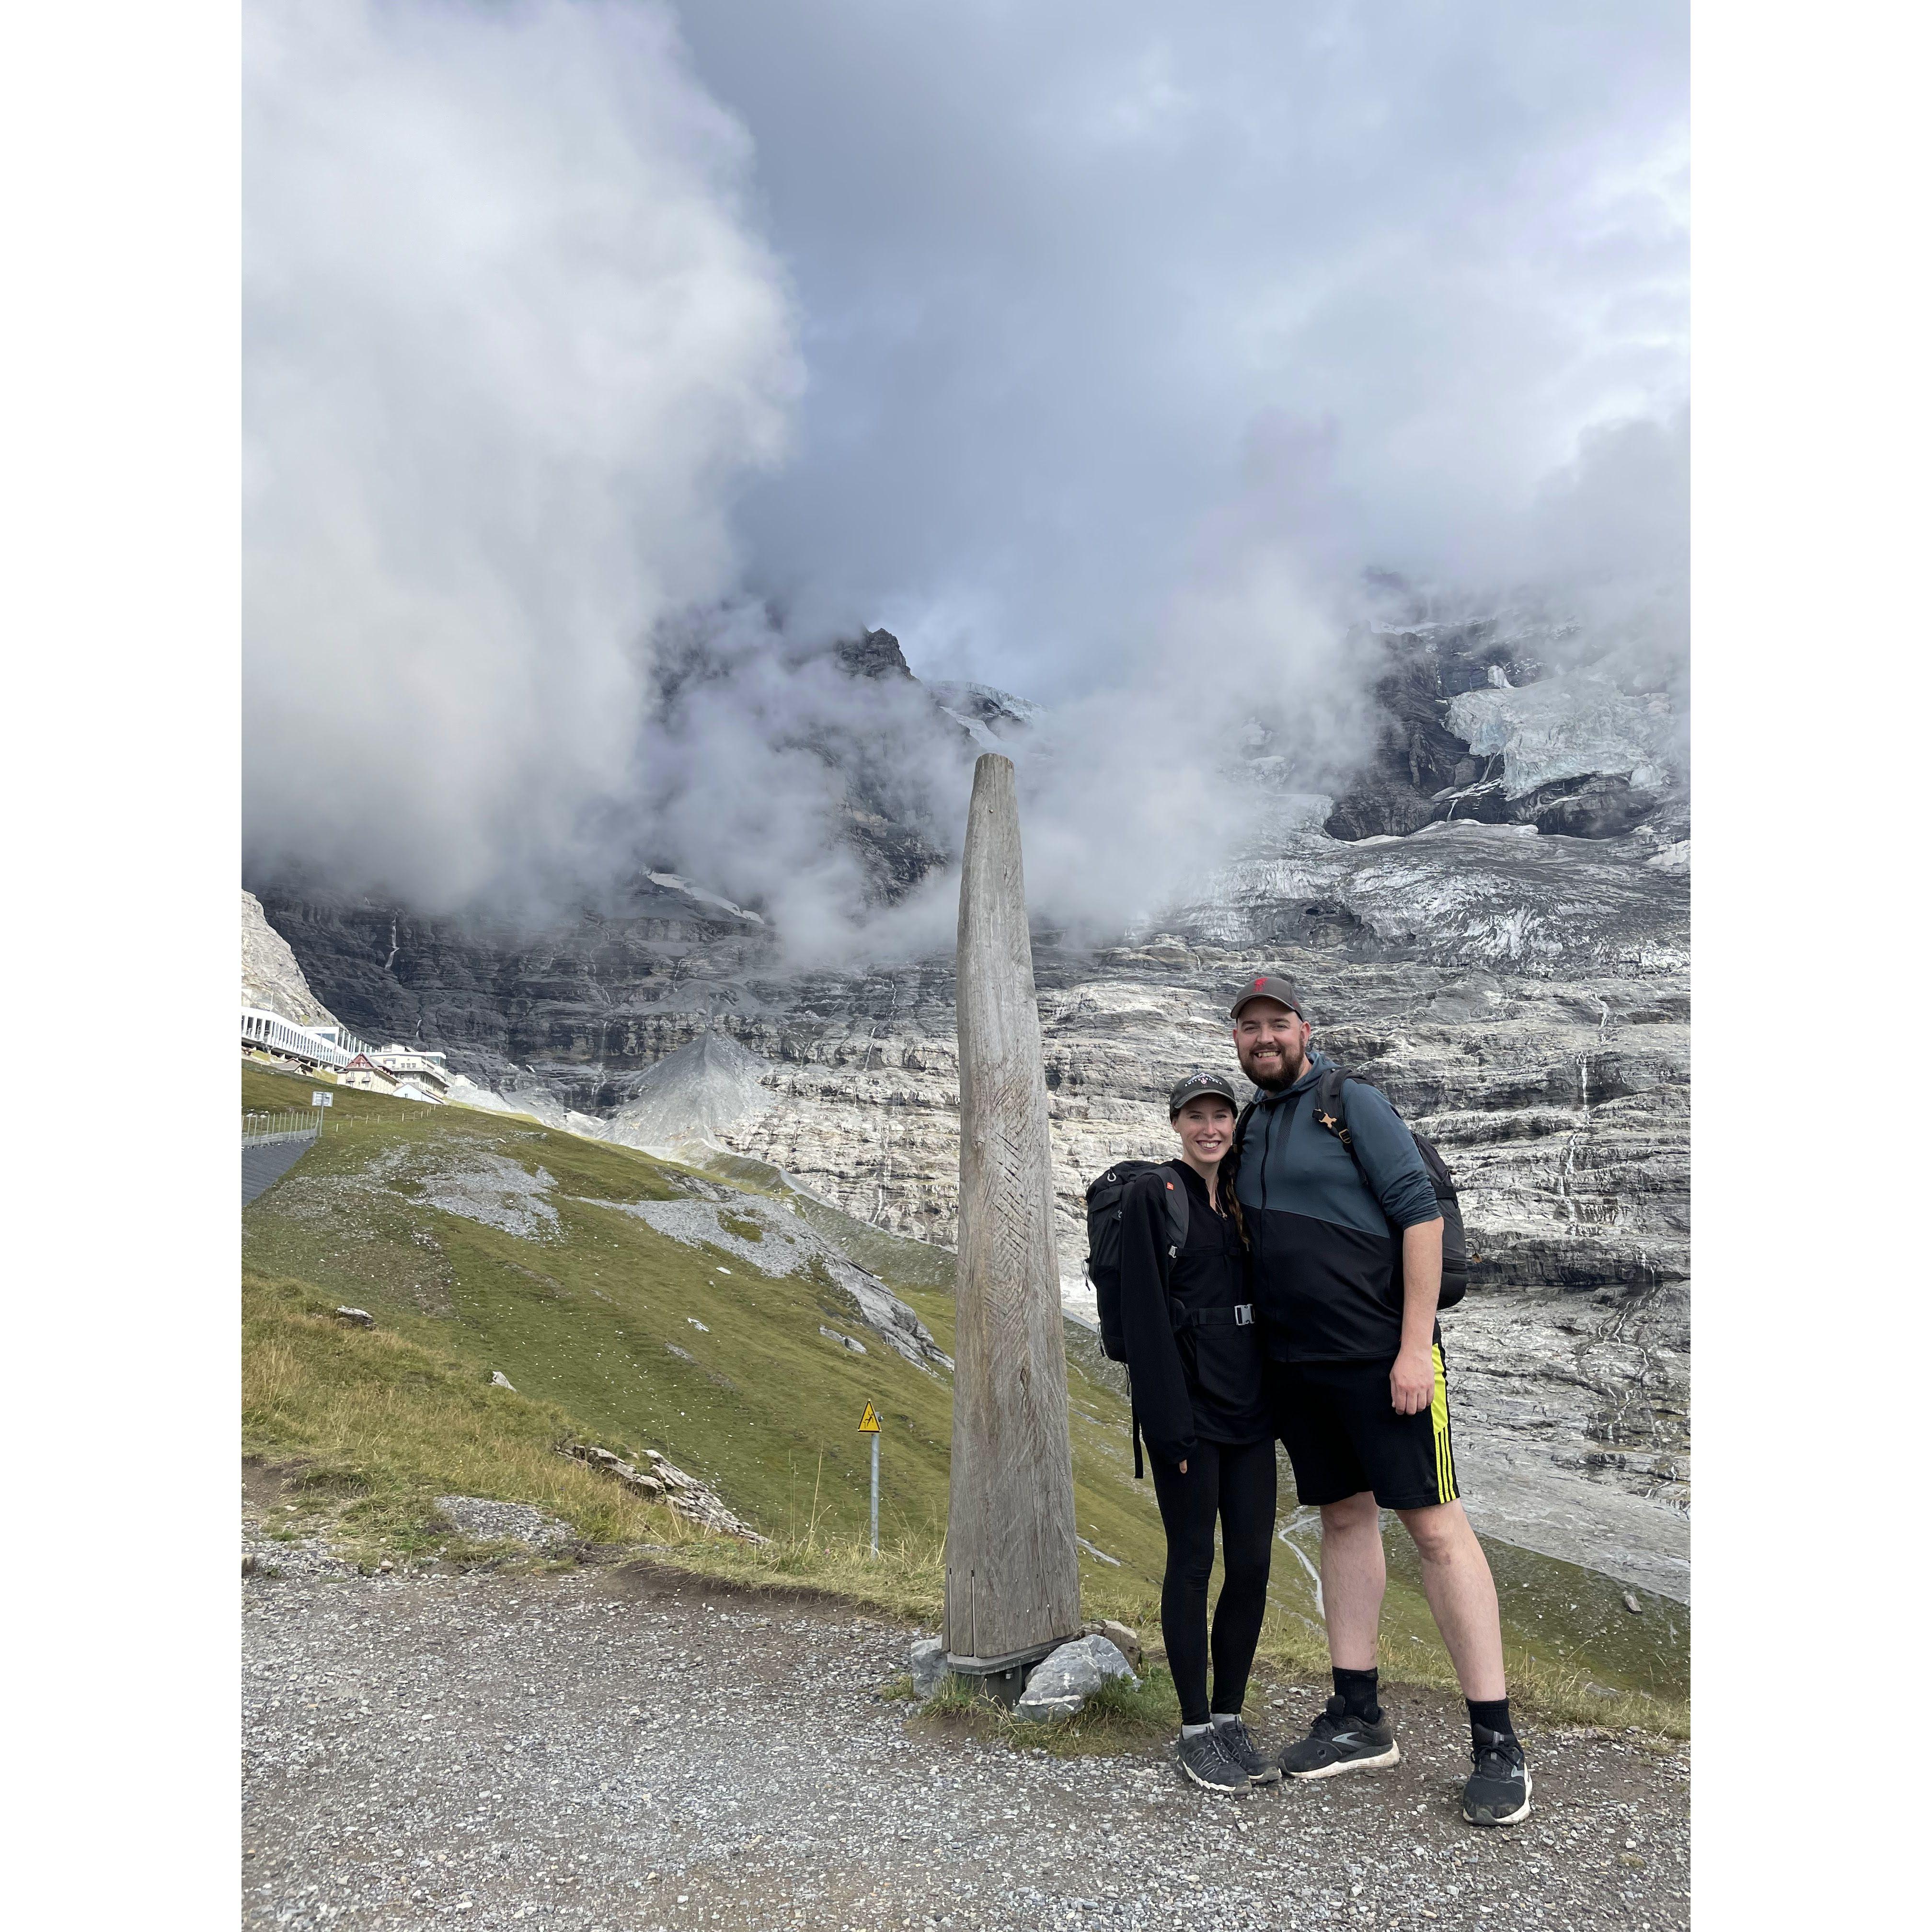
column 1206, row 1125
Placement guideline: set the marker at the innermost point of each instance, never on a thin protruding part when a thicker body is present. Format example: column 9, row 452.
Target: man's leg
column 1461, row 1595
column 1462, row 1598
column 1353, row 1576
column 1353, row 1732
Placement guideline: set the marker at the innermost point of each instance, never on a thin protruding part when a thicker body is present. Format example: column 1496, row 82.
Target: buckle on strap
column 1244, row 1314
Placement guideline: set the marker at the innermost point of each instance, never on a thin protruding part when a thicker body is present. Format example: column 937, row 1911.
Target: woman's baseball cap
column 1197, row 1084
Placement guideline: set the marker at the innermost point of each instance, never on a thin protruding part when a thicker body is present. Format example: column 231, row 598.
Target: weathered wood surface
column 1012, row 1577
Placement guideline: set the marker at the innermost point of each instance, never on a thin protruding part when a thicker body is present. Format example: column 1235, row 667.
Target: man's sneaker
column 1237, row 1746
column 1203, row 1760
column 1337, row 1742
column 1498, row 1792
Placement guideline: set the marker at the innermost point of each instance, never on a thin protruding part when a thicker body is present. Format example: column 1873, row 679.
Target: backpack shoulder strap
column 1176, row 1198
column 1331, row 1107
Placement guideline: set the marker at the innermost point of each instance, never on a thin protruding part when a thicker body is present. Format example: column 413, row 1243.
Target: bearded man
column 1347, row 1264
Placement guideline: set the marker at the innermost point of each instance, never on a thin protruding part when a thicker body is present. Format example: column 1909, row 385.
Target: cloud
column 513, row 341
column 1068, row 274
column 1132, row 340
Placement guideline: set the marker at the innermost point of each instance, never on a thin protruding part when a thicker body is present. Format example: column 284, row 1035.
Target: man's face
column 1272, row 1042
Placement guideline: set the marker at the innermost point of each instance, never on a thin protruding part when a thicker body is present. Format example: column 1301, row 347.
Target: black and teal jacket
column 1326, row 1234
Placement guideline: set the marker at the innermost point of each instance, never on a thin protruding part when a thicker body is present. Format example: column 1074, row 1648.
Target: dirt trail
column 632, row 1750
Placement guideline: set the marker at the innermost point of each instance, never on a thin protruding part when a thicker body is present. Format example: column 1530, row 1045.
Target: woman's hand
column 1183, row 1466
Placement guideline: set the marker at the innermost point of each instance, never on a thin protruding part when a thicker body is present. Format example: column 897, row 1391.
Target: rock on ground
column 927, row 1658
column 636, row 1749
column 1061, row 1683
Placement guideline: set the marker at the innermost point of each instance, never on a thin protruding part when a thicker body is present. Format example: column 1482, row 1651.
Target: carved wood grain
column 1012, row 1578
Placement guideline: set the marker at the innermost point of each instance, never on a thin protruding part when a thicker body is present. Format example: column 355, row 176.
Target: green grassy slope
column 589, row 1313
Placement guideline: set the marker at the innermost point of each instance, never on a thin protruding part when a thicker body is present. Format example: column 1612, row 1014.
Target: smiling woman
column 1194, row 1364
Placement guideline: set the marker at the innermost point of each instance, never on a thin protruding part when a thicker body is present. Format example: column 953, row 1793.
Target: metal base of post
column 1003, row 1678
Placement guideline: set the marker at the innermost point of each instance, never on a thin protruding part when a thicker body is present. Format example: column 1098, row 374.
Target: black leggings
column 1238, row 1485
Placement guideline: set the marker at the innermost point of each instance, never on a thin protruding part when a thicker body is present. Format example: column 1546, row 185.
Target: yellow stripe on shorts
column 1438, row 1416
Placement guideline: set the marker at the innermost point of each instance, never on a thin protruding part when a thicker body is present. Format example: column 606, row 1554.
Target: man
column 1347, row 1264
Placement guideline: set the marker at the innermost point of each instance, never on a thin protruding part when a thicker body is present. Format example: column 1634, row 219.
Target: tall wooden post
column 1013, row 1574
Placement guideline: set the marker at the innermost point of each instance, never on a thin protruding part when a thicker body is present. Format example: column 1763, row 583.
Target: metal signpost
column 868, row 1425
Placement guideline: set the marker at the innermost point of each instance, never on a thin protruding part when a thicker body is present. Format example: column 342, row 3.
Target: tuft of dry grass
column 907, row 1580
column 382, row 1424
column 1119, row 1717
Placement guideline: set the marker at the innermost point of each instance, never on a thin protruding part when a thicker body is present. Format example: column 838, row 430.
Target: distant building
column 270, row 1036
column 429, row 1072
column 363, row 1072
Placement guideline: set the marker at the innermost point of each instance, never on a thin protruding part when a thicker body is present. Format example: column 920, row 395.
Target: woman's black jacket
column 1201, row 1380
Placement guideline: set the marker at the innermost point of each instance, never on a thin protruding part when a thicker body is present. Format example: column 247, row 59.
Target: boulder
column 361, row 1317
column 1126, row 1641
column 499, row 1380
column 927, row 1658
column 1063, row 1682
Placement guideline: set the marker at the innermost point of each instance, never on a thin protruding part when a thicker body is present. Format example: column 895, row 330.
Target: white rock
column 360, row 1316
column 1063, row 1681
column 499, row 1380
column 928, row 1660
column 1127, row 1641
column 697, row 1325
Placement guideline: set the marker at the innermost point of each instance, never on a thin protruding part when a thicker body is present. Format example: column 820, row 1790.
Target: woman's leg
column 1247, row 1545
column 1187, row 1506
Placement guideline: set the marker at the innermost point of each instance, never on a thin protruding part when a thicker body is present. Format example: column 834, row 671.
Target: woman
column 1194, row 1360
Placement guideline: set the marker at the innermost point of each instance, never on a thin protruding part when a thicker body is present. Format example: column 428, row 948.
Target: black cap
column 1195, row 1085
column 1268, row 986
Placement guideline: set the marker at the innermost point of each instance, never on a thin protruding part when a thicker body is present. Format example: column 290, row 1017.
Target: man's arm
column 1412, row 1380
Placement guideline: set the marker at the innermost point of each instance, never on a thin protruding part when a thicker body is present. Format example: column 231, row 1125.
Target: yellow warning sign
column 868, row 1424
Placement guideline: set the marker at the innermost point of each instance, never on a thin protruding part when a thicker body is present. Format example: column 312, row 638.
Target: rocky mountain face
column 271, row 979
column 1473, row 726
column 1492, row 924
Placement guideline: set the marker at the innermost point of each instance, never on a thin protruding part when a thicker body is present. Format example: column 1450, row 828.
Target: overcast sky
column 1084, row 291
column 1083, row 348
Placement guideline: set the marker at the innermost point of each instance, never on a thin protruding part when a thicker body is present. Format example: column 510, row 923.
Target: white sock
column 1227, row 1716
column 1194, row 1730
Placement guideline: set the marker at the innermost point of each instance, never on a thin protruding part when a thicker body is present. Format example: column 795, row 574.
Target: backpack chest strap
column 1241, row 1315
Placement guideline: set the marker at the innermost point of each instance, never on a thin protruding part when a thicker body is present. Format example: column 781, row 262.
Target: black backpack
column 1104, row 1202
column 1330, row 1113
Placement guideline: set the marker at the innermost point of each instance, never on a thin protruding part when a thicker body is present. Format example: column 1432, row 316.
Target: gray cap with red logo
column 1268, row 986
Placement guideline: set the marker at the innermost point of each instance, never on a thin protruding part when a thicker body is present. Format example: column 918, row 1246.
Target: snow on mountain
column 1567, row 727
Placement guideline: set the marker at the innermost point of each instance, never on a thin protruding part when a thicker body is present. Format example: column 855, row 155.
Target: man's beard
column 1278, row 1075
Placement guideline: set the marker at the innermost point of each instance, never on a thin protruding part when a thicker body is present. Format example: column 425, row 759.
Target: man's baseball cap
column 1198, row 1083
column 1268, row 986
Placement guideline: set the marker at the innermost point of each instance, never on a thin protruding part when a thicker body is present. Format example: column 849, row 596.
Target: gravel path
column 631, row 1749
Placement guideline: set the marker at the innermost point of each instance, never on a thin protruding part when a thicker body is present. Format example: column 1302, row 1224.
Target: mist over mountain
column 610, row 371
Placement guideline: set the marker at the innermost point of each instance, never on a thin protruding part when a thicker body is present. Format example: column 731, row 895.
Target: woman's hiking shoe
column 1203, row 1760
column 1337, row 1742
column 1498, row 1792
column 1237, row 1746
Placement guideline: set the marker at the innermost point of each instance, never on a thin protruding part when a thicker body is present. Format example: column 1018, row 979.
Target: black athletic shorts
column 1343, row 1435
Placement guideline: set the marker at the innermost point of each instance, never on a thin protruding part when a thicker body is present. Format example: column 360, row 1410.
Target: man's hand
column 1412, row 1381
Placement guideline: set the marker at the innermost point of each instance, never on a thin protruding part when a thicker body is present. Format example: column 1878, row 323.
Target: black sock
column 1493, row 1715
column 1357, row 1690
